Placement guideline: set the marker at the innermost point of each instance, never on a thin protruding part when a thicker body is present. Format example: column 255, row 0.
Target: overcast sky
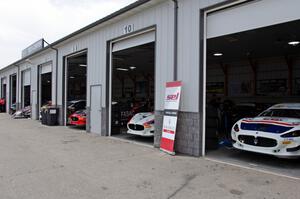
column 25, row 21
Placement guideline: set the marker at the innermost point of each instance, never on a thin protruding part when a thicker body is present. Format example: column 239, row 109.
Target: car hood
column 269, row 124
column 141, row 118
column 78, row 114
column 273, row 120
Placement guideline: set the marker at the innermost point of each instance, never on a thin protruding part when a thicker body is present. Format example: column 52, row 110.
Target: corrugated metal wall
column 96, row 42
column 189, row 50
column 32, row 64
column 48, row 56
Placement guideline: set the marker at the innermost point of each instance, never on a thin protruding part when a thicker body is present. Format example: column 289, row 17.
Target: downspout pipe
column 175, row 77
column 56, row 70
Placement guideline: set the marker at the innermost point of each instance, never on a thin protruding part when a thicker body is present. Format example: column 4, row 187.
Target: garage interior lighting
column 132, row 67
column 72, row 77
column 218, row 54
column 83, row 65
column 122, row 69
column 294, row 43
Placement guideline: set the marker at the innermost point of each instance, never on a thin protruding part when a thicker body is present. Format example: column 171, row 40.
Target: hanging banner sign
column 172, row 101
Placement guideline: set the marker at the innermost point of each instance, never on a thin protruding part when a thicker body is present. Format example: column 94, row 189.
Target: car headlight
column 236, row 128
column 291, row 134
column 148, row 124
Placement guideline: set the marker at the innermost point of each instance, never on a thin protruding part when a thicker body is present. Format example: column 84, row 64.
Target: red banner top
column 173, row 84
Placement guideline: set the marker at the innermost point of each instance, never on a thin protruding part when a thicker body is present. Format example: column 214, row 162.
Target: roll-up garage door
column 4, row 80
column 47, row 68
column 26, row 78
column 134, row 41
column 251, row 15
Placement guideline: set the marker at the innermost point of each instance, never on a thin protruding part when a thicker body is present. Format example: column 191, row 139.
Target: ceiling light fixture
column 122, row 69
column 83, row 65
column 132, row 67
column 294, row 43
column 218, row 54
column 72, row 77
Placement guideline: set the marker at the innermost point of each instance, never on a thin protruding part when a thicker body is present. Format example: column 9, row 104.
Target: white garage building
column 181, row 33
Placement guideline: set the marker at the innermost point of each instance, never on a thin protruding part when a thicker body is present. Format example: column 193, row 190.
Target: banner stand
column 168, row 152
column 172, row 101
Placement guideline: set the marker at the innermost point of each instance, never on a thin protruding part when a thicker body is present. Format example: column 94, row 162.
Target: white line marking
column 253, row 169
column 253, row 165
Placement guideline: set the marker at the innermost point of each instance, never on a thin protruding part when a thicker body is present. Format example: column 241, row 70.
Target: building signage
column 172, row 101
column 33, row 48
column 128, row 29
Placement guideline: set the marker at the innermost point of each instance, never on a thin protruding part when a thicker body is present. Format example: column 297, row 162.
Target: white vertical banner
column 172, row 101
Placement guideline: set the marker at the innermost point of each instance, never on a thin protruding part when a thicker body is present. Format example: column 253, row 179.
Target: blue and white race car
column 276, row 131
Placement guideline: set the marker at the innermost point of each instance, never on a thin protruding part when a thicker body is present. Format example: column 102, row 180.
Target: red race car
column 2, row 105
column 78, row 118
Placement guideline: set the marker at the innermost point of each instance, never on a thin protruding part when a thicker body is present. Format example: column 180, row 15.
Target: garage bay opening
column 3, row 95
column 132, row 112
column 13, row 94
column 26, row 97
column 76, row 79
column 45, row 89
column 246, row 74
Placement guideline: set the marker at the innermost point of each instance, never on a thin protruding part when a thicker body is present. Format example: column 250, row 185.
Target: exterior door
column 95, row 104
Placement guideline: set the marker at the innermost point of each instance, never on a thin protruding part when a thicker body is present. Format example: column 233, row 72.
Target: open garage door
column 138, row 40
column 248, row 74
column 13, row 93
column 26, row 86
column 263, row 13
column 75, row 90
column 132, row 90
column 45, row 85
column 3, row 94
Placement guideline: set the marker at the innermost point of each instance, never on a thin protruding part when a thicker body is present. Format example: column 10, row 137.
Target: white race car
column 141, row 124
column 275, row 131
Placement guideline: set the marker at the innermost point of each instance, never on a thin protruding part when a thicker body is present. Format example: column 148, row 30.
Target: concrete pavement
column 39, row 162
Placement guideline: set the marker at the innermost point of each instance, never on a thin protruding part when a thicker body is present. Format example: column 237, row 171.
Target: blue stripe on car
column 269, row 128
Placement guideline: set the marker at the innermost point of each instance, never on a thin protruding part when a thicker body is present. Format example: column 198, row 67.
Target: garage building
column 212, row 46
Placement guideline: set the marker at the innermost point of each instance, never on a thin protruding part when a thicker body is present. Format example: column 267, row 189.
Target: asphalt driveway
column 39, row 162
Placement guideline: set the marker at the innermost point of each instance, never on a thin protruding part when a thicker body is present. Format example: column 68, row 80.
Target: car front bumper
column 286, row 147
column 79, row 122
column 145, row 133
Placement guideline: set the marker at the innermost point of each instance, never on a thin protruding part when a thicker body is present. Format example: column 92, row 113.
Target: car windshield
column 289, row 113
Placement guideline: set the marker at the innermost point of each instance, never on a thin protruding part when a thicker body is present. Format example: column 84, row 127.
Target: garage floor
column 289, row 167
column 134, row 138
